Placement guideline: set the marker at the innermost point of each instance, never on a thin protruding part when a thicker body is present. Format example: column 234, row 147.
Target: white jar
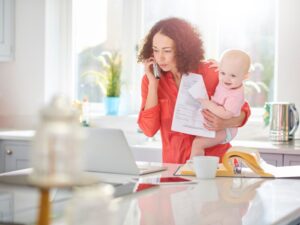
column 56, row 157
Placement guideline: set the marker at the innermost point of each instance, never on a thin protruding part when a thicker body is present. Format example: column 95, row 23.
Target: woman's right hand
column 152, row 98
column 148, row 67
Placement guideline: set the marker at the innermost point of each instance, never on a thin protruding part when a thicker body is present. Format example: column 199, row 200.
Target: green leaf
column 109, row 78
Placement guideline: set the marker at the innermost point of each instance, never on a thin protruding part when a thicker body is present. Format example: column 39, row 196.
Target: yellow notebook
column 252, row 166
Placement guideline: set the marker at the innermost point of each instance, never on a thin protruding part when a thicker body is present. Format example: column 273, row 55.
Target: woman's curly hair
column 188, row 45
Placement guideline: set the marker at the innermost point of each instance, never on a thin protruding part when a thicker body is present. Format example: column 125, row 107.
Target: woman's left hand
column 213, row 122
column 213, row 64
column 204, row 103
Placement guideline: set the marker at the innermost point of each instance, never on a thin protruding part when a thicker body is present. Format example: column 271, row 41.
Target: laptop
column 107, row 151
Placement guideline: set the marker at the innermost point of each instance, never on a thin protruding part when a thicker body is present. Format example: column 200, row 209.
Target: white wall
column 41, row 67
column 22, row 80
column 288, row 53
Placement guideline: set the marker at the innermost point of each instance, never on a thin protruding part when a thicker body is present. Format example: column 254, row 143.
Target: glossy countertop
column 262, row 144
column 216, row 201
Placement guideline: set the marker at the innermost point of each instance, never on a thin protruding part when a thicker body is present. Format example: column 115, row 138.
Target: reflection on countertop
column 213, row 201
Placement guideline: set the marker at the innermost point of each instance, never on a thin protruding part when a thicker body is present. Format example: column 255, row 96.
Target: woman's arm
column 149, row 116
column 215, row 123
column 152, row 98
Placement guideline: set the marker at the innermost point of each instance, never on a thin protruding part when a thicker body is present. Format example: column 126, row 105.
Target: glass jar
column 56, row 157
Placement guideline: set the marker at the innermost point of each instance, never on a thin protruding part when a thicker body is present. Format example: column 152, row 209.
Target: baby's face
column 231, row 73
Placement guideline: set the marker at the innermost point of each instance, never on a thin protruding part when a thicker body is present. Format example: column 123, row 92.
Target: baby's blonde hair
column 240, row 56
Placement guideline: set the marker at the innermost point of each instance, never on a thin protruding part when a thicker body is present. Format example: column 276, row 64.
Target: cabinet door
column 6, row 206
column 16, row 155
column 273, row 159
column 6, row 29
column 291, row 160
column 2, row 158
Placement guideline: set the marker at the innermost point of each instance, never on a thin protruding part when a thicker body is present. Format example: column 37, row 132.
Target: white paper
column 196, row 90
column 187, row 116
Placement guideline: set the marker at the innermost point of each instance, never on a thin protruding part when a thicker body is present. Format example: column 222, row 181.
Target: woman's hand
column 148, row 66
column 213, row 64
column 152, row 98
column 215, row 123
column 204, row 103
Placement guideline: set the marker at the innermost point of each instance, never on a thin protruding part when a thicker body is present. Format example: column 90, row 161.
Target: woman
column 176, row 47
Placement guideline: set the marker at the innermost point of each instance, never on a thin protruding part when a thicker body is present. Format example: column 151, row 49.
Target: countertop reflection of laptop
column 107, row 151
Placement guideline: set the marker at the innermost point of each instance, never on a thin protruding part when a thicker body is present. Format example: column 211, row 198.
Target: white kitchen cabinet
column 281, row 159
column 273, row 159
column 6, row 206
column 277, row 154
column 14, row 155
column 6, row 29
column 291, row 160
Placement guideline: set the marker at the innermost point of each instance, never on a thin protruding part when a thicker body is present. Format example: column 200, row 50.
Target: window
column 121, row 25
column 90, row 35
column 250, row 25
column 106, row 25
column 247, row 25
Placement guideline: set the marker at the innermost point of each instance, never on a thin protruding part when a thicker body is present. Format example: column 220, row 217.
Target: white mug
column 205, row 166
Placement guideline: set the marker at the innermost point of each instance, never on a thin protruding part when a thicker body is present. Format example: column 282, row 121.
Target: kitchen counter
column 262, row 144
column 24, row 135
column 292, row 147
column 266, row 146
column 216, row 201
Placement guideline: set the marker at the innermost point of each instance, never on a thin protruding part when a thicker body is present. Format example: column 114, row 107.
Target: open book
column 252, row 165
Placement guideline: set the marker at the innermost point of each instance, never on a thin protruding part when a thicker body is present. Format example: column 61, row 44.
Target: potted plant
column 109, row 79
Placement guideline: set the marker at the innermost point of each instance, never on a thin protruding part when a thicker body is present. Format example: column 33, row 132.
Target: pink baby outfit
column 232, row 100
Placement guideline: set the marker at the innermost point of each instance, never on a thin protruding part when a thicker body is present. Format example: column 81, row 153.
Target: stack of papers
column 187, row 117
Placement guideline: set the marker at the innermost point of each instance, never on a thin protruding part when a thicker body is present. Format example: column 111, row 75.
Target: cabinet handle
column 9, row 152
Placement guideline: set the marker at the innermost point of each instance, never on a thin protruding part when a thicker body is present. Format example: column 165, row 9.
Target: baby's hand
column 204, row 102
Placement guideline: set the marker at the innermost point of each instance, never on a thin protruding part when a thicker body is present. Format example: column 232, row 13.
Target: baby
column 228, row 98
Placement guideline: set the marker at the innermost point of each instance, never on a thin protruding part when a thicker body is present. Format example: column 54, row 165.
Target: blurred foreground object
column 56, row 156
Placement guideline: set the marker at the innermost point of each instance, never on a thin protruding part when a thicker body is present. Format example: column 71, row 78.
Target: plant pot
column 112, row 105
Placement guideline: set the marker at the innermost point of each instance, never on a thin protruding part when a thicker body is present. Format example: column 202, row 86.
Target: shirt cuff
column 149, row 112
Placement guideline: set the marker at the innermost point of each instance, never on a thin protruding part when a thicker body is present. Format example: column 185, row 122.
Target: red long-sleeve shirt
column 176, row 146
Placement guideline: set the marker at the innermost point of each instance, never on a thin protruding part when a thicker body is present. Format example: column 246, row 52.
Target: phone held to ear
column 156, row 71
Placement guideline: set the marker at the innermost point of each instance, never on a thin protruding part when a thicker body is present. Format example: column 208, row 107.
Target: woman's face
column 164, row 52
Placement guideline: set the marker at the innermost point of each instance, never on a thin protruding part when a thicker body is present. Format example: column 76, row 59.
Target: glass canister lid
column 60, row 107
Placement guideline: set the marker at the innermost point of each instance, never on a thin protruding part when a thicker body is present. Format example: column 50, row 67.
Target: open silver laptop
column 107, row 151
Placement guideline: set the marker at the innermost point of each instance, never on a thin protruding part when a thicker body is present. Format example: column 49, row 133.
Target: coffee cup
column 205, row 166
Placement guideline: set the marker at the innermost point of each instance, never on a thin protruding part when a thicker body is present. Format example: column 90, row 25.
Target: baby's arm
column 218, row 110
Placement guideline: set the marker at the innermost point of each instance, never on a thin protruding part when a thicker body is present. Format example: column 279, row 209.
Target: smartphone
column 156, row 71
column 174, row 180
